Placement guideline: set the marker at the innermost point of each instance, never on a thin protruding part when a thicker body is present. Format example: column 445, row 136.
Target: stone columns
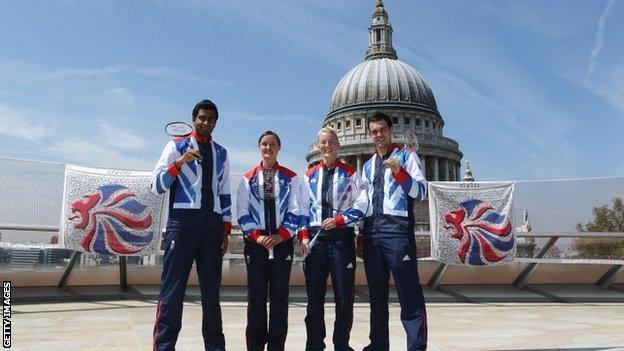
column 441, row 169
column 436, row 175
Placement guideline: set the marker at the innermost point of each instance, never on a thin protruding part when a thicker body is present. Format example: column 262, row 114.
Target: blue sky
column 530, row 89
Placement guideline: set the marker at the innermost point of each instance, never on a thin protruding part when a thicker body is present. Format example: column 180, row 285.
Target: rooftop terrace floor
column 127, row 325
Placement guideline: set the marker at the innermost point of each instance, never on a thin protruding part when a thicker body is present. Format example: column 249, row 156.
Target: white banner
column 471, row 223
column 110, row 212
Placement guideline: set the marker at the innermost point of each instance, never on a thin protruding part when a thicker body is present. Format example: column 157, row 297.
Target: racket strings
column 178, row 129
column 341, row 195
column 410, row 141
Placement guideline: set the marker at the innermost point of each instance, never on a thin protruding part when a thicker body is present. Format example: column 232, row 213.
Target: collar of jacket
column 199, row 138
column 336, row 164
column 390, row 149
column 261, row 166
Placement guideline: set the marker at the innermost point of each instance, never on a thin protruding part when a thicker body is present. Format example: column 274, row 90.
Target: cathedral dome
column 381, row 81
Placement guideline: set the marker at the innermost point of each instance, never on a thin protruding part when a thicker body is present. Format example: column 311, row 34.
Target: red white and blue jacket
column 250, row 208
column 394, row 195
column 312, row 198
column 188, row 191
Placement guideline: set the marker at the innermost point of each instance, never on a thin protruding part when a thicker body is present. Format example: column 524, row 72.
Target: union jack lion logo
column 113, row 221
column 484, row 234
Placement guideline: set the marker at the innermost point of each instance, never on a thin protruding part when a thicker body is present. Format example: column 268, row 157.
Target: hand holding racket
column 341, row 196
column 183, row 130
column 410, row 143
column 267, row 191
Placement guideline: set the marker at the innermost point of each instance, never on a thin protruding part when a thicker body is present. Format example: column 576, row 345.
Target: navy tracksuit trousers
column 267, row 278
column 396, row 253
column 183, row 246
column 335, row 256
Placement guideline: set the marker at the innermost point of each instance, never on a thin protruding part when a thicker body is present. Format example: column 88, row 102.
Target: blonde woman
column 334, row 250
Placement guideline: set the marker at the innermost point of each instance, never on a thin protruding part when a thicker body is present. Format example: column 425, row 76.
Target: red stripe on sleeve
column 401, row 176
column 283, row 233
column 303, row 234
column 172, row 170
column 340, row 223
column 254, row 235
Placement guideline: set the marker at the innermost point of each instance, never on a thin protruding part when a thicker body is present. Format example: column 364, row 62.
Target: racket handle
column 313, row 241
column 199, row 158
column 271, row 254
column 311, row 245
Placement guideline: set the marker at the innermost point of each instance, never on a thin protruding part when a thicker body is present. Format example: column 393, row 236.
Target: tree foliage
column 606, row 219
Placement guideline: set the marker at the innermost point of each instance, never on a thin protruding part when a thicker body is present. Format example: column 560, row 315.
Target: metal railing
column 236, row 247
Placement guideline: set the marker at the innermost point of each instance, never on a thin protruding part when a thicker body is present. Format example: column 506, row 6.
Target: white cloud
column 102, row 7
column 601, row 72
column 551, row 21
column 251, row 116
column 599, row 41
column 122, row 97
column 291, row 25
column 109, row 144
column 120, row 136
column 612, row 88
column 26, row 124
column 507, row 113
column 93, row 153
column 78, row 72
column 115, row 70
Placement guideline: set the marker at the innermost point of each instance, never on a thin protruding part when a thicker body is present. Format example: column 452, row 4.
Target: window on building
column 395, row 121
column 347, row 124
column 338, row 126
column 435, row 126
column 378, row 35
column 407, row 121
column 426, row 124
column 358, row 122
column 417, row 122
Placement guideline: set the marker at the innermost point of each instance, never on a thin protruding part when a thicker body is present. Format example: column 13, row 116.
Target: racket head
column 410, row 140
column 178, row 129
column 342, row 194
column 261, row 192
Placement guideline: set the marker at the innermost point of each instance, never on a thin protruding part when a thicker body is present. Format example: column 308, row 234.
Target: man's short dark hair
column 205, row 105
column 270, row 132
column 380, row 116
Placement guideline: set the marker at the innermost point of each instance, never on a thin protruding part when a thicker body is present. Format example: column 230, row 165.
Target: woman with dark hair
column 268, row 213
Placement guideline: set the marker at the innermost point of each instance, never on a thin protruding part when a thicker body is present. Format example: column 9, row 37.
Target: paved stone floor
column 127, row 325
